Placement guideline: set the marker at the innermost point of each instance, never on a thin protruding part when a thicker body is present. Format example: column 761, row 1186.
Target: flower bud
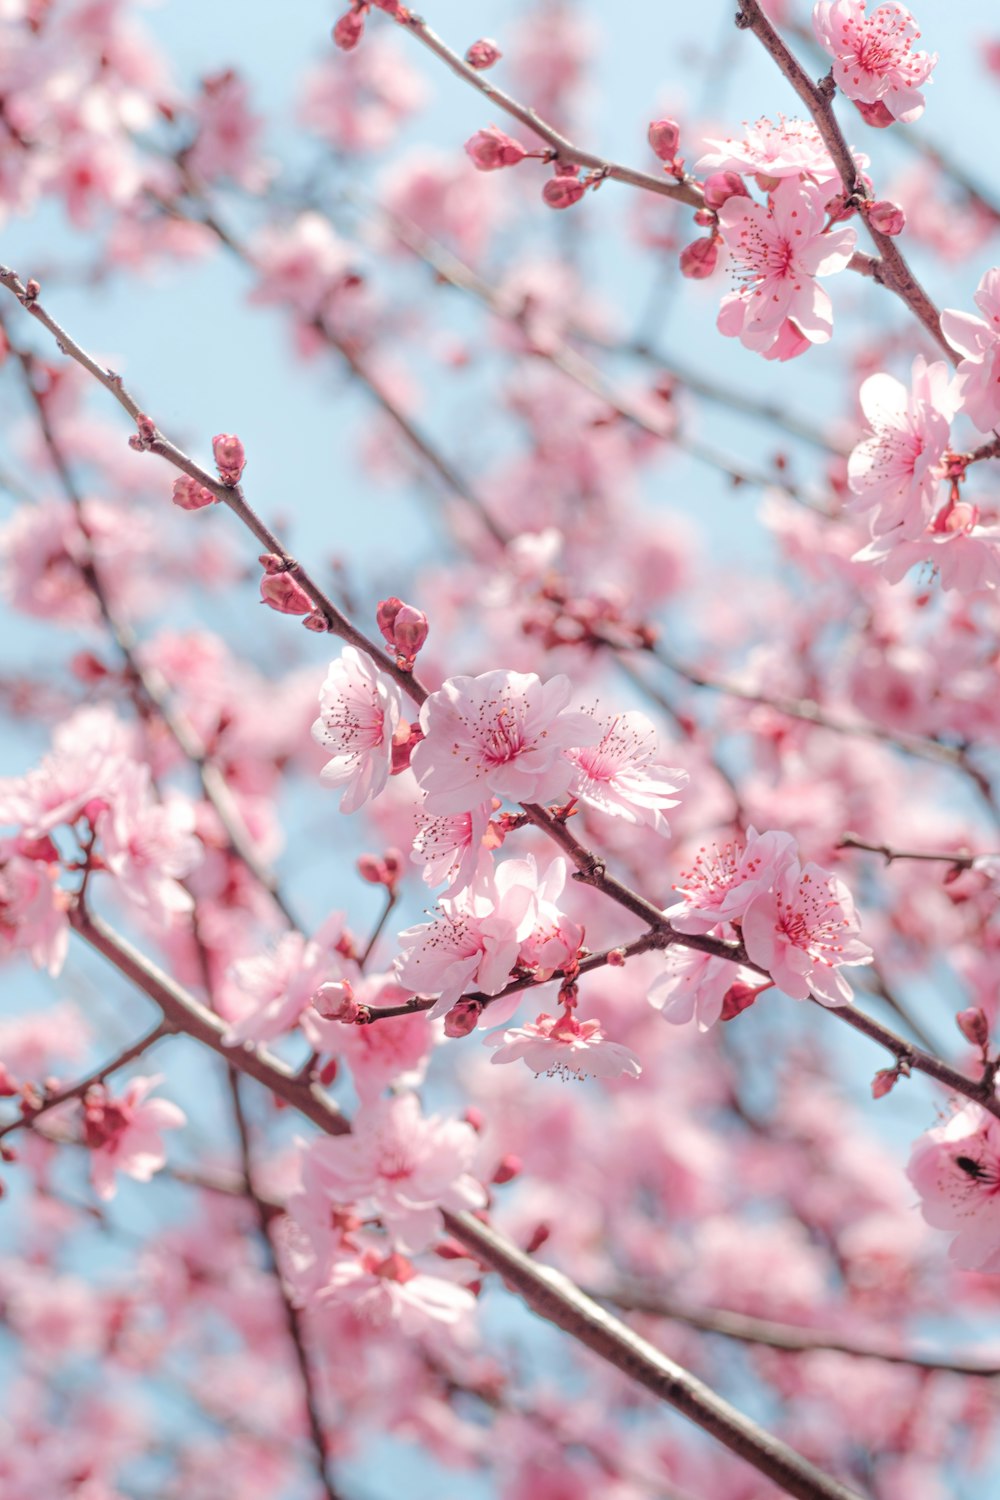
column 664, row 136
column 721, row 186
column 349, row 30
column 316, row 620
column 462, row 1018
column 281, row 592
column 507, row 1169
column 875, row 114
column 404, row 629
column 700, row 258
column 189, row 494
column 973, row 1025
column 562, row 191
column 405, row 740
column 884, row 1082
column 740, row 997
column 335, row 1001
column 230, row 457
column 483, row 54
column 887, row 217
column 491, row 149
column 539, row 1235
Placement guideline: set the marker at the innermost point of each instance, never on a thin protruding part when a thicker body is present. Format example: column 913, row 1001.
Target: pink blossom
column 228, row 132
column 873, row 57
column 722, row 882
column 778, row 251
column 454, row 849
column 148, row 845
column 32, row 909
column 399, row 1165
column 563, row 1046
column 357, row 104
column 790, row 148
column 804, row 931
column 503, row 732
column 43, row 549
column 389, row 1290
column 393, row 1051
column 966, row 558
column 124, row 1134
column 620, row 776
column 301, row 265
column 978, row 341
column 359, row 710
column 956, row 1170
column 554, row 941
column 472, row 943
column 270, row 992
column 694, row 986
column 90, row 753
column 895, row 471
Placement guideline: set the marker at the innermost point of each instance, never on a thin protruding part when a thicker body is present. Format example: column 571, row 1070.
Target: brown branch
column 959, row 859
column 893, row 271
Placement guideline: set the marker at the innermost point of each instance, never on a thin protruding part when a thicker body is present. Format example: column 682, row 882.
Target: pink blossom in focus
column 804, row 931
column 562, row 1046
column 778, row 251
column 620, row 776
column 978, row 341
column 554, row 941
column 896, row 470
column 956, row 1170
column 454, row 849
column 124, row 1134
column 503, row 732
column 400, row 1165
column 32, row 909
column 359, row 710
column 694, row 986
column 148, row 845
column 722, row 882
column 873, row 56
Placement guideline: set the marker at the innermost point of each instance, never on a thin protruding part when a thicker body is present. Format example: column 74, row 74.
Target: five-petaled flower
column 873, row 56
column 956, row 1170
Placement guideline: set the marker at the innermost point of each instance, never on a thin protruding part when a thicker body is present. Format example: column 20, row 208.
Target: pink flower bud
column 272, row 563
column 875, row 114
column 483, row 54
column 740, row 997
column 281, row 592
column 507, row 1169
column 88, row 668
column 230, row 457
column 700, row 258
column 371, row 868
column 722, row 186
column 973, row 1025
column 189, row 494
column 704, row 218
column 335, row 1001
column 40, row 847
column 616, row 958
column 884, row 1082
column 462, row 1018
column 147, row 428
column 349, row 30
column 403, row 628
column 8, row 1083
column 664, row 136
column 316, row 620
column 539, row 1235
column 491, row 149
column 562, row 191
column 887, row 217
column 405, row 740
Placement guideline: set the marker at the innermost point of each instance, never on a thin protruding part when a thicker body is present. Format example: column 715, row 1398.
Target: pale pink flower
column 803, row 932
column 561, row 1046
column 895, row 471
column 503, row 732
column 554, row 941
column 42, row 551
column 226, row 144
column 389, row 1290
column 124, row 1134
column 620, row 775
column 357, row 103
column 693, row 986
column 956, row 1170
column 269, row 993
column 978, row 341
column 148, row 845
column 965, row 559
column 873, row 56
column 400, row 1166
column 90, row 752
column 360, row 708
column 778, row 250
column 472, row 943
column 454, row 849
column 32, row 909
column 301, row 264
column 770, row 152
column 393, row 1051
column 721, row 883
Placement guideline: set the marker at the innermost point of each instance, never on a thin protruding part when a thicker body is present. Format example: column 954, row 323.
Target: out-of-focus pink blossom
column 268, row 993
column 978, row 341
column 779, row 250
column 124, row 1134
column 359, row 710
column 32, row 909
column 386, row 1052
column 358, row 104
column 400, row 1165
column 895, row 471
column 620, row 775
column 956, row 1170
column 804, row 932
column 562, row 1046
column 503, row 732
column 149, row 845
column 965, row 558
column 226, row 145
column 388, row 1291
column 873, row 56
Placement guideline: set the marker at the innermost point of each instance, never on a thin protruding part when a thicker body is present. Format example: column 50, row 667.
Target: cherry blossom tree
column 660, row 683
